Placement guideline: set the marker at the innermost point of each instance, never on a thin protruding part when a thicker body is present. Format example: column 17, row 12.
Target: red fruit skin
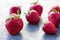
column 15, row 9
column 33, row 17
column 14, row 26
column 38, row 8
column 49, row 28
column 54, row 18
column 58, row 19
column 57, row 8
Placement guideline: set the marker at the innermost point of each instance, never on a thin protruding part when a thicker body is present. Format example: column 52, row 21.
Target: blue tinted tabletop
column 29, row 31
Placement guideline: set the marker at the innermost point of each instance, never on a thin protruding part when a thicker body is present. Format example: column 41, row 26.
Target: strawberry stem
column 19, row 10
column 24, row 13
column 36, row 2
column 20, row 6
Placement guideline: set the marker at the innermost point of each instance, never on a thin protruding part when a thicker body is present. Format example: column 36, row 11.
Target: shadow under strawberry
column 58, row 30
column 52, row 37
column 49, row 37
column 32, row 27
column 14, row 37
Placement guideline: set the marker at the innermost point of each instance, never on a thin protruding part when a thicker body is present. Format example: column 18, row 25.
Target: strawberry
column 55, row 9
column 14, row 25
column 49, row 28
column 54, row 17
column 37, row 7
column 15, row 9
column 33, row 17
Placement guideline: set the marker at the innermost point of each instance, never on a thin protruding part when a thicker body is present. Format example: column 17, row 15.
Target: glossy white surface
column 29, row 32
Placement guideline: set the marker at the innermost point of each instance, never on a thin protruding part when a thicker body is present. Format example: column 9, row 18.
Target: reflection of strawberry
column 54, row 17
column 37, row 7
column 16, row 10
column 49, row 28
column 14, row 25
column 33, row 17
column 55, row 9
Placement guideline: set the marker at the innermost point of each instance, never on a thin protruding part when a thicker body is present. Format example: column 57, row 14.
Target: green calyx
column 35, row 2
column 16, row 16
column 13, row 16
column 54, row 10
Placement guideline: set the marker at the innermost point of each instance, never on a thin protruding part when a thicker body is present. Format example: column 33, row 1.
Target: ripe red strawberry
column 55, row 9
column 54, row 17
column 14, row 25
column 33, row 17
column 37, row 7
column 15, row 9
column 49, row 28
